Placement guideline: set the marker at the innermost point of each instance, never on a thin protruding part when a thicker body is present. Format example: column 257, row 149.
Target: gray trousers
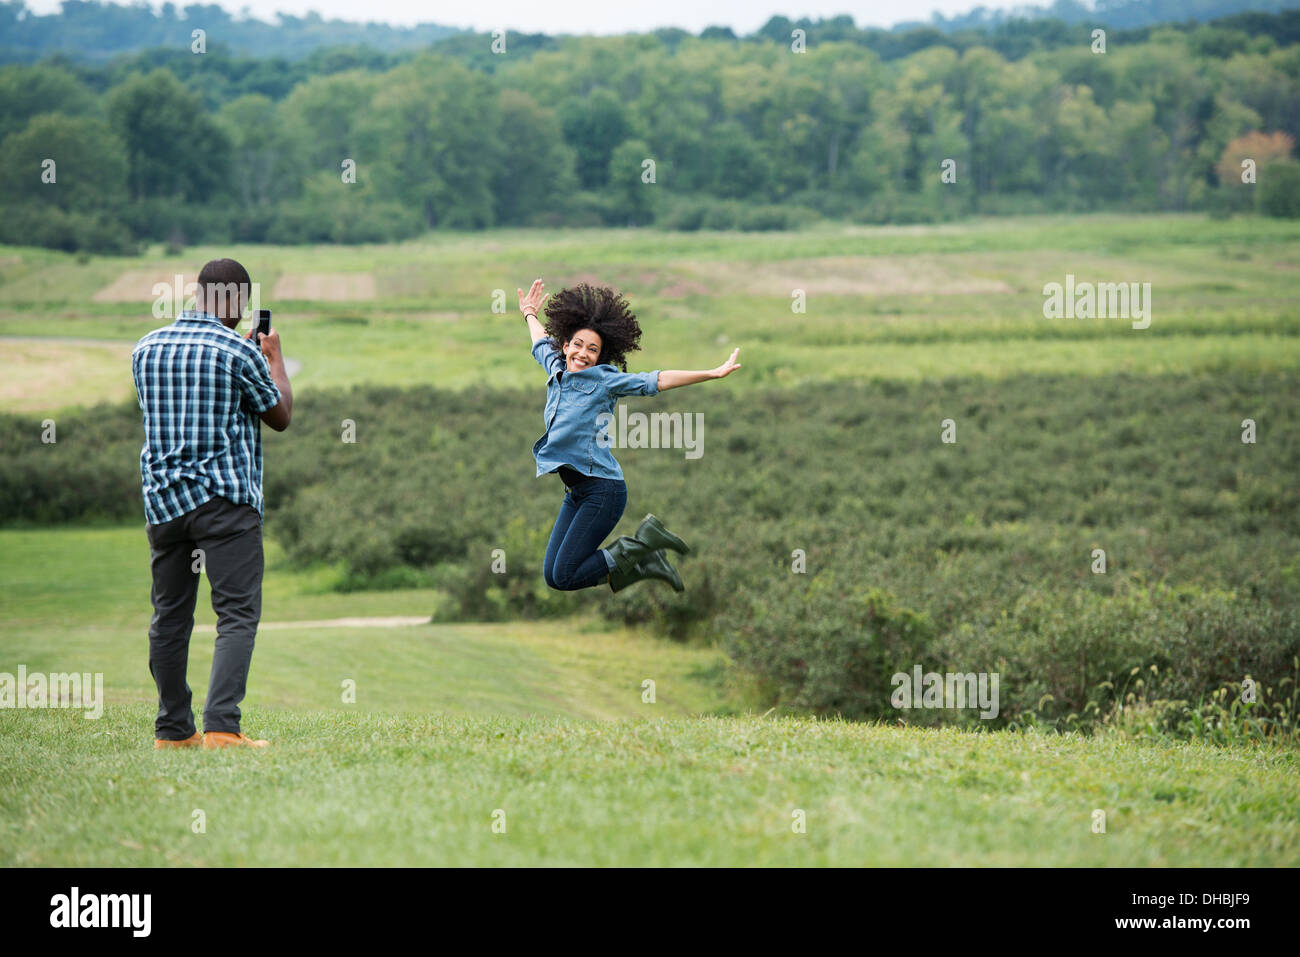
column 229, row 537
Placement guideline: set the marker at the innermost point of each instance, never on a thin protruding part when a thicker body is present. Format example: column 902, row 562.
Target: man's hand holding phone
column 266, row 338
column 269, row 342
column 270, row 345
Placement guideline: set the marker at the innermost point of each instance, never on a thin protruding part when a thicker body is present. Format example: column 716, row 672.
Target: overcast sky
column 596, row 16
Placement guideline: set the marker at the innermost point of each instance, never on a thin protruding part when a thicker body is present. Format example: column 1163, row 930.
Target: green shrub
column 163, row 217
column 827, row 645
column 68, row 230
column 702, row 212
column 966, row 558
column 1279, row 190
column 505, row 581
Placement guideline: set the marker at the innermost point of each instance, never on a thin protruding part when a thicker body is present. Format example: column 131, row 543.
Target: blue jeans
column 590, row 511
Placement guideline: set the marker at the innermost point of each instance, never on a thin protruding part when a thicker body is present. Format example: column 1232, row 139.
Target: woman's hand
column 676, row 378
column 531, row 304
column 728, row 367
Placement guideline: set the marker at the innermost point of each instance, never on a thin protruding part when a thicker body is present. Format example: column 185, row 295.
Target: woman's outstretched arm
column 673, row 378
column 530, row 305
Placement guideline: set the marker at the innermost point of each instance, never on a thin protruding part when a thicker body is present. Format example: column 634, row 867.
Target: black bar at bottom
column 912, row 906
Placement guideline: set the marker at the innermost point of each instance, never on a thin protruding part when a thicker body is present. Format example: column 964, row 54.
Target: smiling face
column 582, row 351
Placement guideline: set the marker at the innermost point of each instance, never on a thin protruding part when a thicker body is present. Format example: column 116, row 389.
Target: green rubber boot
column 634, row 561
column 652, row 532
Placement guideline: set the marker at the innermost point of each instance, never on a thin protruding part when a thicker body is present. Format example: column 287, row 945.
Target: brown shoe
column 191, row 742
column 224, row 739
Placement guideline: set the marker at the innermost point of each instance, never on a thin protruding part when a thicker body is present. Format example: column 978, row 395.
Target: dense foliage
column 353, row 145
column 93, row 30
column 972, row 556
column 87, row 29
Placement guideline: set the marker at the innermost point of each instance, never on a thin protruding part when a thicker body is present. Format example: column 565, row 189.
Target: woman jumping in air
column 589, row 330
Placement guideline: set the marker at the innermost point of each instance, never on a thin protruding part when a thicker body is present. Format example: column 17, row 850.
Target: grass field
column 878, row 302
column 421, row 789
column 73, row 601
column 546, row 721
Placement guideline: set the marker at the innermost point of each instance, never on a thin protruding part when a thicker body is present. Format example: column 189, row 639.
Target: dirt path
column 67, row 340
column 326, row 287
column 291, row 365
column 392, row 622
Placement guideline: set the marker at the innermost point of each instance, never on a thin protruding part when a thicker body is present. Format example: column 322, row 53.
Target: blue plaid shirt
column 201, row 387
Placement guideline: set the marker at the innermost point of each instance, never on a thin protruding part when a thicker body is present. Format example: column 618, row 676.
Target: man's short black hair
column 218, row 277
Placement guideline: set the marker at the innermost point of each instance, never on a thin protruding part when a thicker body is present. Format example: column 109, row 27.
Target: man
column 202, row 389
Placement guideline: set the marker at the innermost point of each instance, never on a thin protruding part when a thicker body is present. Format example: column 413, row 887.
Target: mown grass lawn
column 368, row 789
column 547, row 722
column 77, row 599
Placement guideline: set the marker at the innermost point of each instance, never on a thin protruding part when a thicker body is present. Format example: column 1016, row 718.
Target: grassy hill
column 370, row 789
column 907, row 303
column 77, row 600
column 1111, row 435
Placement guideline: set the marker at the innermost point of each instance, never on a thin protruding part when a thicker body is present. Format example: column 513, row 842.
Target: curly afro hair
column 599, row 309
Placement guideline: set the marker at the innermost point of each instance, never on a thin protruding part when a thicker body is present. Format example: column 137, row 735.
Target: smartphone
column 263, row 324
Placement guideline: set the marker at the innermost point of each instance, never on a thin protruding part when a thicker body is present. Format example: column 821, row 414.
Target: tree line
column 95, row 31
column 683, row 132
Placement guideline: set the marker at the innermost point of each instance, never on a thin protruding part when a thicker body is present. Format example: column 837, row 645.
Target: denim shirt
column 574, row 400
